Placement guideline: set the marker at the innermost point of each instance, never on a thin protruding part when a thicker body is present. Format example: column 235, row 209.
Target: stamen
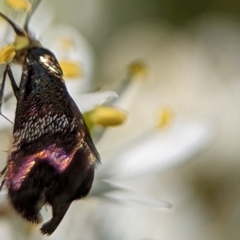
column 165, row 117
column 107, row 116
column 19, row 5
column 21, row 42
column 71, row 69
column 7, row 53
column 137, row 70
column 66, row 42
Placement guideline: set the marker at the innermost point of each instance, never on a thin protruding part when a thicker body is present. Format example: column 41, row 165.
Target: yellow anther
column 107, row 116
column 137, row 70
column 165, row 117
column 7, row 53
column 66, row 42
column 21, row 42
column 19, row 5
column 71, row 69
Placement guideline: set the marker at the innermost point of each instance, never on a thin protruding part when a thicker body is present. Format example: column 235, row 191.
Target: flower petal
column 70, row 46
column 6, row 230
column 87, row 102
column 157, row 150
column 4, row 124
column 7, row 34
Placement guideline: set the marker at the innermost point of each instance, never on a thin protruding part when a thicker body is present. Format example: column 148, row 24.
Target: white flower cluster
column 145, row 145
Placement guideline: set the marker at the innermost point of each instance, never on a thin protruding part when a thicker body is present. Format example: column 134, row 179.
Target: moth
column 53, row 157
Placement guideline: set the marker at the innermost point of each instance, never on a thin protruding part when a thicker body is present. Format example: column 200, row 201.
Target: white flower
column 75, row 56
column 158, row 150
column 196, row 75
column 160, row 138
column 128, row 158
column 138, row 149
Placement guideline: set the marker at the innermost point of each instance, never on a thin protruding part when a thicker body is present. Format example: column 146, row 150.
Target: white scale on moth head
column 49, row 63
column 37, row 126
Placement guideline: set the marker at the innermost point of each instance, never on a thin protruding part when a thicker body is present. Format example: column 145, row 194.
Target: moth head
column 47, row 59
column 23, row 41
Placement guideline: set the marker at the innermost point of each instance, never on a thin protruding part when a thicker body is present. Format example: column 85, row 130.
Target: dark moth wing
column 53, row 156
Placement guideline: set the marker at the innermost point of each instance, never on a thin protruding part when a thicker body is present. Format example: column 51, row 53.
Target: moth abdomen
column 29, row 197
column 55, row 177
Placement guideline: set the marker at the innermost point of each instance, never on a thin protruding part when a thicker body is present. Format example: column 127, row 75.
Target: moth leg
column 3, row 181
column 2, row 184
column 13, row 82
column 8, row 96
column 58, row 214
column 3, row 86
column 2, row 93
column 3, row 171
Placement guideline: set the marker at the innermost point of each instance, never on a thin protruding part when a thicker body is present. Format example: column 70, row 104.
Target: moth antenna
column 19, row 31
column 30, row 13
